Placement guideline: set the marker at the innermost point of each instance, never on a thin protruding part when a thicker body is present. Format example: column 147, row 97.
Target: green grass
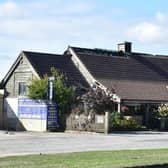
column 96, row 159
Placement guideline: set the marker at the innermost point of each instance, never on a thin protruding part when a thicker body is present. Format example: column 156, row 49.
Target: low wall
column 83, row 122
column 26, row 114
column 34, row 125
column 11, row 111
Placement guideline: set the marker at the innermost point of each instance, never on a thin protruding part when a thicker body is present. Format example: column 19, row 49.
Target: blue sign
column 32, row 109
column 38, row 109
column 52, row 116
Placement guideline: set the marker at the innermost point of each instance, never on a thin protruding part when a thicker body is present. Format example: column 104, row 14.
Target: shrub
column 118, row 122
column 64, row 95
column 97, row 100
column 94, row 101
column 38, row 88
column 163, row 111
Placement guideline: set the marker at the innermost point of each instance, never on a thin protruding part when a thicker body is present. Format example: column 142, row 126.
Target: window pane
column 22, row 88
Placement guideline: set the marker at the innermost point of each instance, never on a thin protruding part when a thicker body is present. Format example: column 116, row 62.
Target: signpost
column 50, row 88
column 52, row 114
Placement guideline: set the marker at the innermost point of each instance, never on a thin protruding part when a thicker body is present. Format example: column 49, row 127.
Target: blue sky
column 52, row 25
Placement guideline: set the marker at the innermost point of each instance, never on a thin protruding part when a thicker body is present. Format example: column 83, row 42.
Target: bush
column 94, row 101
column 38, row 88
column 97, row 100
column 118, row 122
column 163, row 111
column 64, row 95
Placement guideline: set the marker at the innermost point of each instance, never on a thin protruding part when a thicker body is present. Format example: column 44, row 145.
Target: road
column 20, row 143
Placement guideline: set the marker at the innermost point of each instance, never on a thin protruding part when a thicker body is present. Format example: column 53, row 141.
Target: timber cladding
column 22, row 73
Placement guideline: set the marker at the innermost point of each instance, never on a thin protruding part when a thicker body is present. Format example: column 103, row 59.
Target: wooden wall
column 22, row 73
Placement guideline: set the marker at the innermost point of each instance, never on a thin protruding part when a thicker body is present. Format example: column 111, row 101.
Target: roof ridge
column 42, row 53
column 108, row 52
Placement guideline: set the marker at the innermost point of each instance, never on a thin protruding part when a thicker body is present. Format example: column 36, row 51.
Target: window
column 22, row 88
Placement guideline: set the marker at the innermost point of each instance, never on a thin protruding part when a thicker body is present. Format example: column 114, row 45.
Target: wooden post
column 147, row 115
column 107, row 122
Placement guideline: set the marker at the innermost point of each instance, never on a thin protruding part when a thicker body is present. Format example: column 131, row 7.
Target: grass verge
column 96, row 159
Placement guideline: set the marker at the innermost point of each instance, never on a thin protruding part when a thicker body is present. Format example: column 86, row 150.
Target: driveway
column 19, row 143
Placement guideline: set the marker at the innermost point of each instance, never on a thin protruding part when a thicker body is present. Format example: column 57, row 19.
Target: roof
column 135, row 76
column 42, row 63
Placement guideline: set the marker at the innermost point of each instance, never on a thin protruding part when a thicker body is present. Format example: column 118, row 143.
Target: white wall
column 11, row 105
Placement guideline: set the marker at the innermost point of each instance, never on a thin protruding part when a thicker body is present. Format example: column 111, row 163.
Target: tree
column 38, row 88
column 97, row 100
column 64, row 95
column 88, row 105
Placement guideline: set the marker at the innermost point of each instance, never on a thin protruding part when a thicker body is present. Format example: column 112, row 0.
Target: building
column 30, row 65
column 139, row 80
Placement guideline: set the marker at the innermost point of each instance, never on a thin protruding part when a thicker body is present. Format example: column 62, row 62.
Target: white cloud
column 148, row 32
column 9, row 9
column 160, row 17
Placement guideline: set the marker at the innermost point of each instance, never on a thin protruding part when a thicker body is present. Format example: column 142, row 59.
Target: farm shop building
column 138, row 79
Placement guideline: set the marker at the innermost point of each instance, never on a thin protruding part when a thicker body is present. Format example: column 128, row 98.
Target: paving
column 22, row 143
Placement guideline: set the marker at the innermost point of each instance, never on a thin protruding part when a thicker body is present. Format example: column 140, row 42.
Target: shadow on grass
column 151, row 166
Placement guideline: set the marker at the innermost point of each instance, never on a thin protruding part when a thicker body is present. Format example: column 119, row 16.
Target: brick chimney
column 125, row 47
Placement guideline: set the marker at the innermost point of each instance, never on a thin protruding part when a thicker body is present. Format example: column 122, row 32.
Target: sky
column 51, row 25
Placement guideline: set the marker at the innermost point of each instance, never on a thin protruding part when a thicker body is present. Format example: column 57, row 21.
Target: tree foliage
column 88, row 105
column 38, row 88
column 64, row 95
column 97, row 100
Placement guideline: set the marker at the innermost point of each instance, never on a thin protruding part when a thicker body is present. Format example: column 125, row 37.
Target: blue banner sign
column 38, row 109
column 52, row 116
column 32, row 109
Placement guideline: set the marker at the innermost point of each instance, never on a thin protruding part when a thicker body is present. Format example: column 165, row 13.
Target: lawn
column 96, row 159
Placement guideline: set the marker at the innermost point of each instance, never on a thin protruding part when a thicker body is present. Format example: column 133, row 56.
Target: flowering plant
column 163, row 111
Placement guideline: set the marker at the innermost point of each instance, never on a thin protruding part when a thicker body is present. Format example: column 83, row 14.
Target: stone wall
column 83, row 122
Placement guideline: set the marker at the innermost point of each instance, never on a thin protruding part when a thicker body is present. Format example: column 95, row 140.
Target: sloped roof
column 135, row 76
column 42, row 63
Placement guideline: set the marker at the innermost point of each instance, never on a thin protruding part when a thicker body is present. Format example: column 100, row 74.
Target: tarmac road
column 21, row 143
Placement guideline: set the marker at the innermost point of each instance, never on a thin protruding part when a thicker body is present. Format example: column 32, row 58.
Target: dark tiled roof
column 42, row 62
column 133, row 76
